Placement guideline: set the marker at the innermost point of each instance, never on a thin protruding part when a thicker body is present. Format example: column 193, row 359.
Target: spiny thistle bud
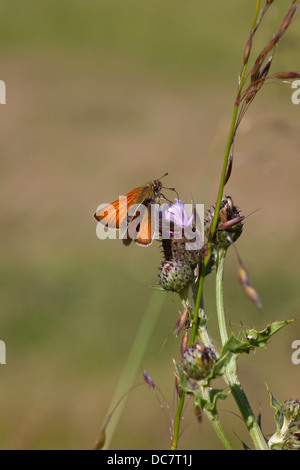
column 229, row 223
column 176, row 249
column 197, row 361
column 287, row 436
column 291, row 410
column 175, row 275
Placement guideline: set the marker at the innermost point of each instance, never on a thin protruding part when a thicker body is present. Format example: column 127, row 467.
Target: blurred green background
column 103, row 96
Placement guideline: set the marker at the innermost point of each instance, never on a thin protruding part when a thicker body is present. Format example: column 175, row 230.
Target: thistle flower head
column 197, row 361
column 175, row 218
column 176, row 271
column 287, row 436
column 175, row 275
column 229, row 223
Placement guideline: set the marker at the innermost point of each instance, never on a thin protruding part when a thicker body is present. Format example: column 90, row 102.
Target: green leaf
column 278, row 413
column 259, row 338
column 236, row 346
column 216, row 394
column 181, row 377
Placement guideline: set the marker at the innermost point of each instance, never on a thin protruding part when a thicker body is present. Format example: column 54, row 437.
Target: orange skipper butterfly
column 135, row 206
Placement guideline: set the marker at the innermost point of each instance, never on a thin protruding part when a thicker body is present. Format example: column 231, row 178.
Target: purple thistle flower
column 174, row 219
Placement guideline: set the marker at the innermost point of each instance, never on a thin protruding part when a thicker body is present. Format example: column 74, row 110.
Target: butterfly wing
column 115, row 214
column 144, row 236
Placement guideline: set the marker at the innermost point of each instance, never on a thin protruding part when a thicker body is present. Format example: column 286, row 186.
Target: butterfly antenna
column 163, row 176
column 173, row 189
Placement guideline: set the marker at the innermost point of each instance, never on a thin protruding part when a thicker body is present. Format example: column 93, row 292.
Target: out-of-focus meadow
column 103, row 96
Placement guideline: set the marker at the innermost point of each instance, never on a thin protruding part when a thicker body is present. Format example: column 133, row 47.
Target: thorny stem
column 230, row 374
column 202, row 274
column 241, row 400
column 214, row 419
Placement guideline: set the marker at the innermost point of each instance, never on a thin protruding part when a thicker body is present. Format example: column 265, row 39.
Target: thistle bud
column 197, row 361
column 229, row 223
column 175, row 275
column 287, row 436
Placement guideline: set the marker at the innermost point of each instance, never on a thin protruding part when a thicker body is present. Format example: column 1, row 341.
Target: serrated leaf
column 215, row 395
column 278, row 413
column 217, row 370
column 181, row 376
column 259, row 338
column 233, row 344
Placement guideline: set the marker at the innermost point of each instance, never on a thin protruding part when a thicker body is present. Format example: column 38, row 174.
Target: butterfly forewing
column 114, row 214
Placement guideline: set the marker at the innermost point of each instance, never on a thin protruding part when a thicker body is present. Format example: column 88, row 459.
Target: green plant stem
column 214, row 419
column 177, row 421
column 242, row 402
column 219, row 295
column 220, row 431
